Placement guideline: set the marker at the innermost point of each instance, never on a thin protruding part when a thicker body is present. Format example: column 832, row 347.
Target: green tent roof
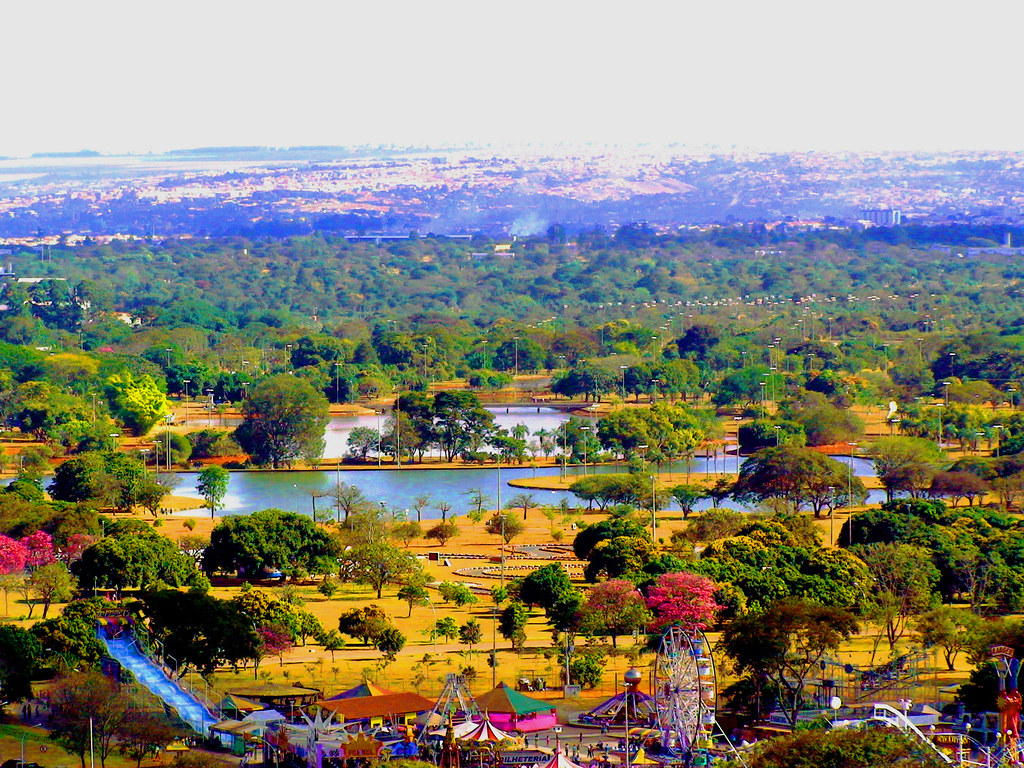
column 508, row 700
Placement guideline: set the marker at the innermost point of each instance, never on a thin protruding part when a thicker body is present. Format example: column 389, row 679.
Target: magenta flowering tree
column 682, row 598
column 39, row 546
column 73, row 548
column 13, row 555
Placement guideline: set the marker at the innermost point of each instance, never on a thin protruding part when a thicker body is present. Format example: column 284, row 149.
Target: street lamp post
column 849, row 487
column 585, row 447
column 515, row 339
column 623, row 369
column 654, row 510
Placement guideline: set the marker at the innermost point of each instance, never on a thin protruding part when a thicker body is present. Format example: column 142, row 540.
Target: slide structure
column 190, row 709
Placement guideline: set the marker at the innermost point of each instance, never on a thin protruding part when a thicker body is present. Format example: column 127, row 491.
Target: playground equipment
column 118, row 638
column 897, row 679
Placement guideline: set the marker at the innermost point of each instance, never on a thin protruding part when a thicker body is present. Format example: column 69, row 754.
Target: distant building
column 882, row 217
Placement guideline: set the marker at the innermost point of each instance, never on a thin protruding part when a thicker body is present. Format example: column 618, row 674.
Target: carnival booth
column 511, row 710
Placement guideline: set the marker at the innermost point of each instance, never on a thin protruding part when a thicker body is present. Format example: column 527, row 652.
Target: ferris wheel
column 685, row 692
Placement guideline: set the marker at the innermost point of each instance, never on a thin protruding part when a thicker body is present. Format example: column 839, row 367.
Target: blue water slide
column 150, row 674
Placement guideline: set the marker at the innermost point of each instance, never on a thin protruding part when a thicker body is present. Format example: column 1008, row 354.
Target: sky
column 150, row 75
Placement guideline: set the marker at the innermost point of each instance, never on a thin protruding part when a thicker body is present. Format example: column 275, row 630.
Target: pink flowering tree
column 13, row 555
column 73, row 548
column 682, row 598
column 614, row 607
column 274, row 640
column 40, row 549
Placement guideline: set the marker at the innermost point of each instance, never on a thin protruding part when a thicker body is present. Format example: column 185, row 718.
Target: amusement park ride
column 685, row 694
column 682, row 710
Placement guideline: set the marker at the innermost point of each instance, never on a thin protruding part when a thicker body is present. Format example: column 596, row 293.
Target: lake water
column 397, row 489
column 534, row 418
column 294, row 491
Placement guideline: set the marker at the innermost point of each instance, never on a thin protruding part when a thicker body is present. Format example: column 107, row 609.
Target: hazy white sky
column 148, row 75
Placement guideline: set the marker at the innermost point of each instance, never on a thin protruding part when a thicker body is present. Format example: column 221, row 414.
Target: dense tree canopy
column 283, row 420
column 269, row 539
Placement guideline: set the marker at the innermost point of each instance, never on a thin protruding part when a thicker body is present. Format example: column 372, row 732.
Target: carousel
column 632, row 707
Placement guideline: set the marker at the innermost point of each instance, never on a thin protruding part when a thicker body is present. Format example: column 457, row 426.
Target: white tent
column 557, row 760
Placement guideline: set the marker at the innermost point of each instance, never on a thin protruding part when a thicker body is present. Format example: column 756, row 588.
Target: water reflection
column 398, row 489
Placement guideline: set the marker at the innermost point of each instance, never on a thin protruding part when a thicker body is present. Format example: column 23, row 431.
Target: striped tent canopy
column 358, row 691
column 484, row 731
column 558, row 760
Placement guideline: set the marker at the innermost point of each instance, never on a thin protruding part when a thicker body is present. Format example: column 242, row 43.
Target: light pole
column 777, row 429
column 999, row 437
column 623, row 369
column 337, row 383
column 849, row 487
column 501, row 517
column 515, row 339
column 654, row 389
column 377, row 413
column 186, row 382
column 585, row 447
column 654, row 510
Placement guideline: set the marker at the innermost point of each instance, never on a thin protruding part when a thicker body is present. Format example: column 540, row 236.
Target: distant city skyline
column 788, row 76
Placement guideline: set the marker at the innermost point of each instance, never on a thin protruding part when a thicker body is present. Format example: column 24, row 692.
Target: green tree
column 407, row 531
column 457, row 593
column 508, row 527
column 687, row 496
column 390, row 642
column 212, row 486
column 904, row 463
column 198, row 630
column 783, row 646
column 800, row 476
column 380, row 563
column 89, row 711
column 954, row 630
column 903, row 583
column 589, row 537
column 144, row 733
column 413, row 594
column 51, row 583
column 470, row 633
column 445, row 628
column 620, row 557
column 20, row 653
column 283, row 420
column 442, row 533
column 269, row 538
column 135, row 559
column 366, row 623
column 586, row 668
column 544, row 586
column 137, row 401
column 512, row 624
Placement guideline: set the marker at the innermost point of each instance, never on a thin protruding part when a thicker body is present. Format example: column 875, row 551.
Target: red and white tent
column 557, row 760
column 484, row 731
